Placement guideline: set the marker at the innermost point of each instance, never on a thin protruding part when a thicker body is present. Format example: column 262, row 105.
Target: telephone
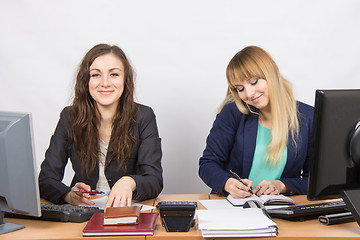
column 177, row 216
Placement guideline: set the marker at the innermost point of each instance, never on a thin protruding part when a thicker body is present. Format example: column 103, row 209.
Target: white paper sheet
column 101, row 202
column 216, row 204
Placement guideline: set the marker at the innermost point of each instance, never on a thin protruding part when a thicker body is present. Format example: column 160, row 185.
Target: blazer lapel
column 250, row 132
column 291, row 154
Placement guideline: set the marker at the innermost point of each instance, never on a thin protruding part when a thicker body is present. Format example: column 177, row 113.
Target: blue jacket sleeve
column 212, row 165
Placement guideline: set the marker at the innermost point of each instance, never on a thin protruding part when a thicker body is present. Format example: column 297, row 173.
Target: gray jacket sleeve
column 148, row 170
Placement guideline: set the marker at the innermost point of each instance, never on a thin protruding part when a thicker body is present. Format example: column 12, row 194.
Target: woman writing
column 112, row 142
column 261, row 132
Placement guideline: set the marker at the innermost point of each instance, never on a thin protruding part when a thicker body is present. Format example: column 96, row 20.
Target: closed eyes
column 252, row 81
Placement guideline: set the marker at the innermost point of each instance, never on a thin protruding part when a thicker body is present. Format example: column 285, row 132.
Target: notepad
column 265, row 199
column 122, row 215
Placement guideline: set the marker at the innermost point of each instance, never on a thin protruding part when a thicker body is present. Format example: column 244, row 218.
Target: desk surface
column 287, row 230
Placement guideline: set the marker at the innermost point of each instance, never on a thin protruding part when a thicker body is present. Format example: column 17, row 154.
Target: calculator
column 177, row 216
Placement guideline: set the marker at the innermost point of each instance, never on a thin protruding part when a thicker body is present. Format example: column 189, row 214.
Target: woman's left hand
column 272, row 187
column 121, row 193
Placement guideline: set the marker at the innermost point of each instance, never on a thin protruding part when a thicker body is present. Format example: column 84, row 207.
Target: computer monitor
column 19, row 190
column 335, row 151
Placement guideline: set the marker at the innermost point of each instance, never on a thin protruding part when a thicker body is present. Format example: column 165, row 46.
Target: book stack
column 96, row 227
column 248, row 222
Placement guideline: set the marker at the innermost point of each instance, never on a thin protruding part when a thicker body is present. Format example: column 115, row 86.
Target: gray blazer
column 144, row 165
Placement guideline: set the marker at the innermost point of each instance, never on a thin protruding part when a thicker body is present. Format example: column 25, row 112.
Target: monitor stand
column 6, row 227
column 351, row 199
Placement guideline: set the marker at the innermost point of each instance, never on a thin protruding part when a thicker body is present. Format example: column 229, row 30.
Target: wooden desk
column 35, row 229
column 311, row 229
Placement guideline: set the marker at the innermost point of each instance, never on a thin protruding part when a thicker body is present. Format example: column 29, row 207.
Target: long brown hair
column 252, row 62
column 85, row 120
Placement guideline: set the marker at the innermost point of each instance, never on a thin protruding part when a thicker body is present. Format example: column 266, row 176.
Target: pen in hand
column 238, row 178
column 90, row 192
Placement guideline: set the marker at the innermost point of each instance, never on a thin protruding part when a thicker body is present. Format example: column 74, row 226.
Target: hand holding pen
column 237, row 187
column 79, row 195
column 90, row 192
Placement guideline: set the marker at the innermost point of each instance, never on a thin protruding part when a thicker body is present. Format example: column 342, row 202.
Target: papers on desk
column 249, row 222
column 225, row 204
column 216, row 204
column 101, row 202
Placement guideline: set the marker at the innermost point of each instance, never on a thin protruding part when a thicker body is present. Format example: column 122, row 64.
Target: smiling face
column 106, row 83
column 254, row 92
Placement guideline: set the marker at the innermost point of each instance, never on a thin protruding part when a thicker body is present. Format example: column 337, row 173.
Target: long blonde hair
column 252, row 62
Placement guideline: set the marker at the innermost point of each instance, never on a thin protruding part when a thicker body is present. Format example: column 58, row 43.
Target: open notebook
column 265, row 199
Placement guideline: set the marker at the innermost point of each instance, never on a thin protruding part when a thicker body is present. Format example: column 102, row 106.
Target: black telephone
column 177, row 216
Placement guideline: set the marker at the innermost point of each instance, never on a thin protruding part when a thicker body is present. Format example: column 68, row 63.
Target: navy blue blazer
column 144, row 164
column 231, row 146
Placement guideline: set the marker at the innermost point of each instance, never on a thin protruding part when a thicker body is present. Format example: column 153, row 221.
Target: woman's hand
column 121, row 193
column 78, row 198
column 237, row 189
column 273, row 187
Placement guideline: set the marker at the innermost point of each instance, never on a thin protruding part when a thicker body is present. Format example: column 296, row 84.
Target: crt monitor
column 19, row 190
column 335, row 151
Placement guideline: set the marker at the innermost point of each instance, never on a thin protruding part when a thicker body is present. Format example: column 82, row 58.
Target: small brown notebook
column 122, row 215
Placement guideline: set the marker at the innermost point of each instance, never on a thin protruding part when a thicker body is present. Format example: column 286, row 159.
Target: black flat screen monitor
column 19, row 191
column 335, row 151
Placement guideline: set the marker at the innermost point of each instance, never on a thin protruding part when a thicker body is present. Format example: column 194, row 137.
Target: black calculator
column 177, row 216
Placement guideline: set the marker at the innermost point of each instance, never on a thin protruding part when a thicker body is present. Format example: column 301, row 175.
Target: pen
column 91, row 191
column 238, row 178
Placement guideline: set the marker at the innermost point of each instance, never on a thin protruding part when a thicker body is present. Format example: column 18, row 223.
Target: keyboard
column 309, row 211
column 61, row 213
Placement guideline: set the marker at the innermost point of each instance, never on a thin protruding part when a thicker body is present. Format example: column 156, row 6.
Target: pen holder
column 177, row 216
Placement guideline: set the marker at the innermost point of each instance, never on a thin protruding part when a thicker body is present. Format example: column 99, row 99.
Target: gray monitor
column 19, row 190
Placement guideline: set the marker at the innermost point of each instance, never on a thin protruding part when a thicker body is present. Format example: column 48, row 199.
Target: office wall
column 180, row 50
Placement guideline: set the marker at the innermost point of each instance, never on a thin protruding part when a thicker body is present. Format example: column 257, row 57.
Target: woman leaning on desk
column 261, row 132
column 112, row 142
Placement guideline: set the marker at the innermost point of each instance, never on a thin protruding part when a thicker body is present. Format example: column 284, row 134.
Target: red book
column 96, row 227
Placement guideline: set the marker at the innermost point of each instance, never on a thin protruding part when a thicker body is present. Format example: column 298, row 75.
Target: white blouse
column 102, row 184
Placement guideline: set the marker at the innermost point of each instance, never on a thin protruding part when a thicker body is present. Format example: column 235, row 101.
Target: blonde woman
column 261, row 134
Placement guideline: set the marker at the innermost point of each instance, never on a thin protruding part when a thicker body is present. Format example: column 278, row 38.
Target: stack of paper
column 248, row 222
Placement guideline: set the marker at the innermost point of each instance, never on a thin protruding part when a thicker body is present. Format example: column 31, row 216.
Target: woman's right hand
column 78, row 198
column 237, row 189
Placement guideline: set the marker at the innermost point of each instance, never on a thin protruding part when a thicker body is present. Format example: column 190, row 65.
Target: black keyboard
column 61, row 213
column 309, row 211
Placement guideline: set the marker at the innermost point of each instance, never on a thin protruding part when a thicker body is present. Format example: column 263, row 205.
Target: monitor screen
column 334, row 164
column 19, row 190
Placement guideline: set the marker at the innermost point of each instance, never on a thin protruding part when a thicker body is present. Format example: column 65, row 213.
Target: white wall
column 180, row 50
